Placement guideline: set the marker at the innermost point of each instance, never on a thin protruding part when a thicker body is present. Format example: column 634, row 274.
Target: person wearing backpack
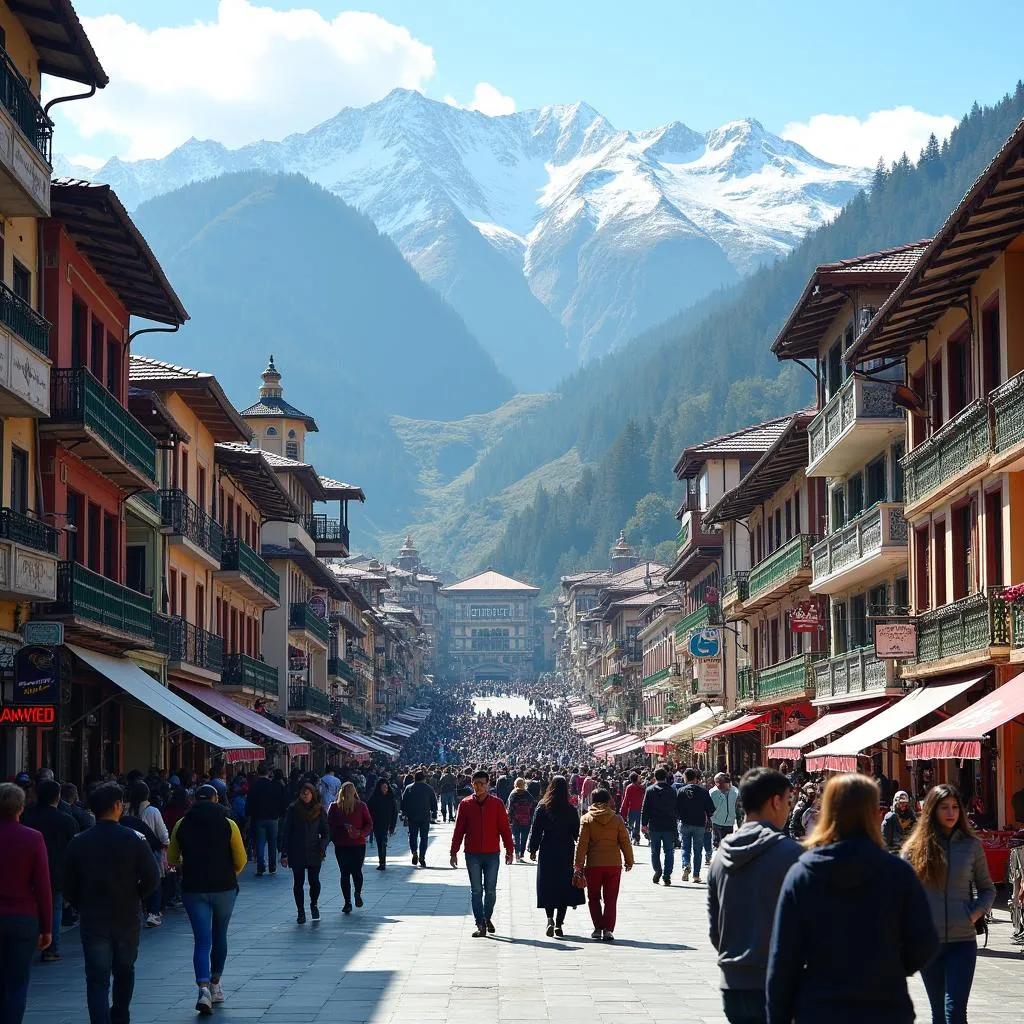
column 658, row 817
column 520, row 815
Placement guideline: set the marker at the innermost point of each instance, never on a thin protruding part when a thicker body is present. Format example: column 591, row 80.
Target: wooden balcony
column 696, row 547
column 734, row 593
column 242, row 674
column 871, row 544
column 786, row 569
column 688, row 623
column 302, row 619
column 303, row 699
column 856, row 673
column 245, row 571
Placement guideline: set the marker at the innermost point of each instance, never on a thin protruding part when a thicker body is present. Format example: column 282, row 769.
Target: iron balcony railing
column 185, row 518
column 301, row 616
column 241, row 670
column 954, row 447
column 1017, row 616
column 194, row 646
column 26, row 111
column 238, row 556
column 782, row 564
column 308, row 698
column 746, row 683
column 880, row 526
column 22, row 529
column 734, row 587
column 788, row 678
column 973, row 623
column 88, row 595
column 321, row 528
column 340, row 668
column 17, row 314
column 695, row 620
column 1007, row 403
column 857, row 399
column 854, row 672
column 76, row 396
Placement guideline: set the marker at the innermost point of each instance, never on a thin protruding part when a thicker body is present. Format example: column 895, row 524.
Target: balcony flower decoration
column 1014, row 594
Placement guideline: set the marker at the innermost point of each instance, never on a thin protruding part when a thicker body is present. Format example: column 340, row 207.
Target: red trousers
column 603, row 883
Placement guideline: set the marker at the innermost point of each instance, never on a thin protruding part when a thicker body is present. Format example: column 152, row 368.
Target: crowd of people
column 804, row 878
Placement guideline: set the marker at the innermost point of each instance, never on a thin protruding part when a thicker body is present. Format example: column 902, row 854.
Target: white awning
column 146, row 690
column 370, row 743
column 688, row 727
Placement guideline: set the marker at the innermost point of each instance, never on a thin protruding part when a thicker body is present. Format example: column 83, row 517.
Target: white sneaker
column 216, row 992
column 154, row 920
column 204, row 1004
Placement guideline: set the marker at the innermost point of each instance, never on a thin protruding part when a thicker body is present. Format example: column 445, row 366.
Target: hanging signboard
column 895, row 639
column 318, row 603
column 705, row 643
column 49, row 634
column 36, row 676
column 806, row 617
column 709, row 676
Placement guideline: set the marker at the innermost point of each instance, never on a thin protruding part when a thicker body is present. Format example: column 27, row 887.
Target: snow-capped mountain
column 546, row 224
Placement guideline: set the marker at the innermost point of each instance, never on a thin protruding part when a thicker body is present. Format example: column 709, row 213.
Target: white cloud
column 94, row 163
column 487, row 100
column 253, row 72
column 889, row 134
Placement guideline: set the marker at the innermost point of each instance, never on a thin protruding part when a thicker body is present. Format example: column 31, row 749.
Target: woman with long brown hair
column 350, row 823
column 552, row 843
column 949, row 859
column 303, row 842
column 852, row 921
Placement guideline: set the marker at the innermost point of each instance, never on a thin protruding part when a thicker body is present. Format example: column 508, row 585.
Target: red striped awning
column 793, row 747
column 335, row 741
column 746, row 723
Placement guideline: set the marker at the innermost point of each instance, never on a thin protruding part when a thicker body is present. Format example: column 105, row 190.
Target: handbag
column 981, row 928
column 579, row 878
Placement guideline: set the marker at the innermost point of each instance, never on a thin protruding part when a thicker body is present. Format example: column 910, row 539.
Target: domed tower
column 277, row 425
column 408, row 558
column 623, row 557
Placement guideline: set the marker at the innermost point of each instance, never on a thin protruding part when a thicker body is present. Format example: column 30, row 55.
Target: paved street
column 408, row 956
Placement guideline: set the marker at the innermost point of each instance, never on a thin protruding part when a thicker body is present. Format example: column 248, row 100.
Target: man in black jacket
column 419, row 805
column 108, row 872
column 694, row 806
column 264, row 806
column 658, row 817
column 58, row 830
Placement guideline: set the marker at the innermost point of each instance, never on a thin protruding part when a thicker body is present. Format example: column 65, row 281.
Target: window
column 962, row 525
column 878, row 599
column 21, row 282
column 901, row 595
column 271, row 431
column 75, row 546
column 874, row 481
column 921, row 578
column 936, row 373
column 291, row 449
column 110, row 546
column 183, row 483
column 833, row 370
column 183, row 611
column 990, row 353
column 917, row 424
column 229, row 521
column 959, row 350
column 940, row 564
column 174, row 591
column 994, row 538
column 78, row 341
column 702, row 491
column 896, row 453
column 839, row 626
column 19, row 479
column 789, row 519
column 787, row 638
column 96, row 351
column 95, row 526
column 838, row 508
column 855, row 489
column 778, row 528
column 796, row 512
column 200, row 612
column 135, row 568
column 113, row 368
column 292, row 434
column 773, row 633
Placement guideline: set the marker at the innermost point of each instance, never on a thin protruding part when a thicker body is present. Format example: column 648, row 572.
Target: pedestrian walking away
column 265, row 805
column 743, row 889
column 632, row 804
column 481, row 822
column 950, row 861
column 384, row 811
column 520, row 807
column 602, row 848
column 419, row 805
column 304, row 840
column 447, row 788
column 658, row 816
column 26, row 909
column 693, row 807
column 725, row 797
column 350, row 824
column 207, row 847
column 109, row 871
column 139, row 807
column 846, row 886
column 552, row 843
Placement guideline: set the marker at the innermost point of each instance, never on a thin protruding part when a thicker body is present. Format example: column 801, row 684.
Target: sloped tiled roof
column 754, row 441
column 275, row 407
column 491, row 579
column 304, row 470
column 60, row 40
column 338, row 489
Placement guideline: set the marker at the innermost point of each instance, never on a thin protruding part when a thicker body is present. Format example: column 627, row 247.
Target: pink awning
column 841, row 755
column 336, row 741
column 655, row 747
column 602, row 737
column 961, row 735
column 592, row 728
column 612, row 741
column 794, row 746
column 220, row 702
column 747, row 723
column 626, row 746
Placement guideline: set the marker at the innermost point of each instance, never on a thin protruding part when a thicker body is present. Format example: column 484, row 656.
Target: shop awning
column 623, row 741
column 372, row 744
column 125, row 674
column 747, row 723
column 835, row 721
column 677, row 732
column 419, row 713
column 336, row 741
column 841, row 755
column 581, row 711
column 224, row 705
column 612, row 741
column 592, row 728
column 961, row 735
column 400, row 728
column 636, row 744
column 599, row 739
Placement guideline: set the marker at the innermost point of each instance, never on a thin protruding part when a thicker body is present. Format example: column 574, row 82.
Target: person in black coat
column 303, row 843
column 384, row 810
column 556, row 827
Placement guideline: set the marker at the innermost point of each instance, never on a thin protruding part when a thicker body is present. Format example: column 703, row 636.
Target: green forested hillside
column 708, row 370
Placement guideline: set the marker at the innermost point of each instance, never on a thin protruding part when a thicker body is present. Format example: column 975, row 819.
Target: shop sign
column 705, row 643
column 805, row 617
column 38, row 715
column 46, row 634
column 895, row 639
column 36, row 676
column 318, row 603
column 709, row 676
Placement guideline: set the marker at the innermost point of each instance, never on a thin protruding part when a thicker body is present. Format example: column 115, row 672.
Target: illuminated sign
column 32, row 715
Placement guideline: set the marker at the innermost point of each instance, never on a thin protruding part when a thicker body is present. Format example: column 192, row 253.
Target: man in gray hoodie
column 743, row 889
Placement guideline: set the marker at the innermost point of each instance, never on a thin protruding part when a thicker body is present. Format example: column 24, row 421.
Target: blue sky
column 233, row 70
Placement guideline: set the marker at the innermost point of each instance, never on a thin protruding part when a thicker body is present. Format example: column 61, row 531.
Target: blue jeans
column 449, row 803
column 668, row 840
column 744, row 1005
column 209, row 914
column 58, row 915
column 520, row 833
column 483, row 883
column 691, row 837
column 418, row 832
column 947, row 980
column 265, row 831
column 19, row 934
column 633, row 824
column 707, row 845
column 109, row 950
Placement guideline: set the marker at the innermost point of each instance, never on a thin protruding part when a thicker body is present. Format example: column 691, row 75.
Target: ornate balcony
column 873, row 543
column 852, row 674
column 189, row 525
column 302, row 619
column 243, row 569
column 341, row 669
column 1007, row 402
column 734, row 593
column 330, row 536
column 308, row 700
column 855, row 423
column 24, row 351
column 25, row 161
column 28, row 558
column 957, row 449
column 970, row 631
column 688, row 623
column 793, row 679
column 746, row 684
column 786, row 569
column 103, row 433
column 191, row 648
column 696, row 546
column 249, row 675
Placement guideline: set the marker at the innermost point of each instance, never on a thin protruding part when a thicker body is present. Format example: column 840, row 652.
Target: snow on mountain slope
column 554, row 234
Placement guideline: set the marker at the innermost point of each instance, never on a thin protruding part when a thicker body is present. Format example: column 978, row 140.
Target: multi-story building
column 416, row 588
column 489, row 627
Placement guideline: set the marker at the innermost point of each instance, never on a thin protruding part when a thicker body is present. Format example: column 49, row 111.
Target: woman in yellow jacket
column 602, row 847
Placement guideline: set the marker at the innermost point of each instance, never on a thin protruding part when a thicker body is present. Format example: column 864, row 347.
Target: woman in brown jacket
column 604, row 843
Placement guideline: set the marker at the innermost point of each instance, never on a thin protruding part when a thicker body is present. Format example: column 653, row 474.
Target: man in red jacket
column 483, row 822
column 632, row 803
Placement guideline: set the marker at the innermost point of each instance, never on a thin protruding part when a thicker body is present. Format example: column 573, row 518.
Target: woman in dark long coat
column 556, row 827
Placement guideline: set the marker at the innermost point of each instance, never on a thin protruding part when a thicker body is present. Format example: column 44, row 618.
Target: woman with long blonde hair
column 852, row 921
column 949, row 859
column 350, row 824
